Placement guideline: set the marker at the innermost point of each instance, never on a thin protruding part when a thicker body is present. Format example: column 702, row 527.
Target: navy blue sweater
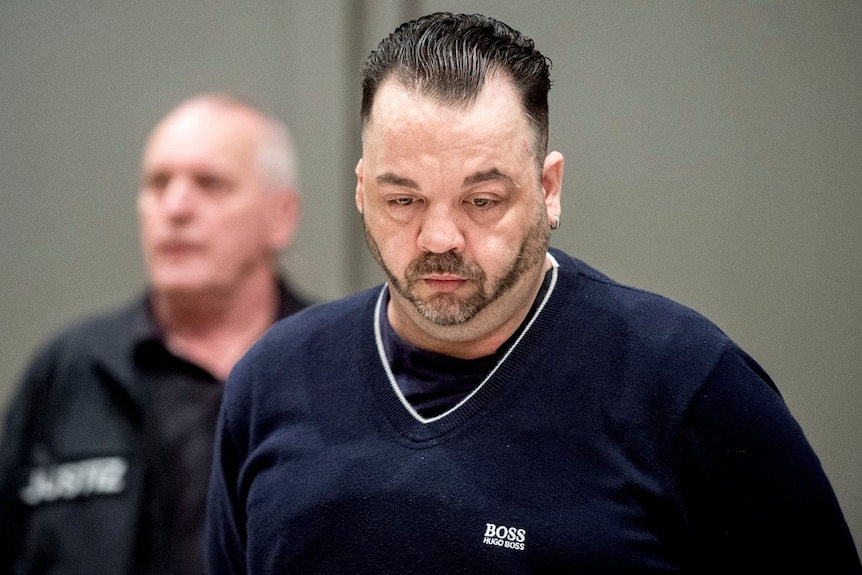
column 624, row 433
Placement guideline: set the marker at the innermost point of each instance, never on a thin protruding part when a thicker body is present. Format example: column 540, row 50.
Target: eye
column 402, row 208
column 484, row 207
column 156, row 182
column 212, row 184
column 482, row 202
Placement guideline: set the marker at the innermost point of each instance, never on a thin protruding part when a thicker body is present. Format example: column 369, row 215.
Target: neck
column 214, row 329
column 479, row 337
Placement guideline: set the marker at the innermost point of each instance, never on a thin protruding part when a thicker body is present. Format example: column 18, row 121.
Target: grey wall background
column 714, row 154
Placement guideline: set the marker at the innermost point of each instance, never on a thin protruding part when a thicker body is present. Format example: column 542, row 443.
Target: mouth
column 176, row 248
column 444, row 284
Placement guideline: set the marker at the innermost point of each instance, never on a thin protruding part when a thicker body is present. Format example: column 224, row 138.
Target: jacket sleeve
column 18, row 433
column 757, row 497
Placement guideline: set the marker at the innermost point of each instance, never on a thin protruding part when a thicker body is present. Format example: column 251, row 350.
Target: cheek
column 152, row 218
column 488, row 253
column 495, row 251
column 397, row 244
column 147, row 225
column 238, row 235
column 234, row 218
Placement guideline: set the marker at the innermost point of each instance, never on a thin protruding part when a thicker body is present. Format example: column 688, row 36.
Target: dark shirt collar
column 147, row 336
column 145, row 327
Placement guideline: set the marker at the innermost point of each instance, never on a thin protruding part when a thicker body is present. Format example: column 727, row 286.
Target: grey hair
column 277, row 155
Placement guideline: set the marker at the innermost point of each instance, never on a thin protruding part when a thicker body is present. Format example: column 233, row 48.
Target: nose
column 176, row 199
column 440, row 232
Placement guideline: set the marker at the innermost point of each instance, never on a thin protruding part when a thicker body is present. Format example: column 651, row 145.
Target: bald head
column 268, row 138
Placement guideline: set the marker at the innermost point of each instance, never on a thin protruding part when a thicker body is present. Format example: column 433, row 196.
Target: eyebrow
column 392, row 180
column 486, row 176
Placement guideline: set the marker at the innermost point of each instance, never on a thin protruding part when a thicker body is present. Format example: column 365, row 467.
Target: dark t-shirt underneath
column 433, row 383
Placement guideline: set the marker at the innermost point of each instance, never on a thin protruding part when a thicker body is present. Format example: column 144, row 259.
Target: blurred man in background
column 106, row 448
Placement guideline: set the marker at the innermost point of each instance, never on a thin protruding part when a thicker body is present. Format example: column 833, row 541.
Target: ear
column 360, row 187
column 284, row 208
column 552, row 184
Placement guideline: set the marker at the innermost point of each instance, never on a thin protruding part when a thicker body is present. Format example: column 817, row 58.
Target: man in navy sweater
column 498, row 406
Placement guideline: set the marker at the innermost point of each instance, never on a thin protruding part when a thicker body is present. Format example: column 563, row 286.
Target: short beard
column 448, row 309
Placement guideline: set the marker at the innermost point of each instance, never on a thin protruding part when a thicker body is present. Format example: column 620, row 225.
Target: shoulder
column 314, row 331
column 666, row 347
column 613, row 305
column 315, row 343
column 71, row 366
column 651, row 354
column 104, row 338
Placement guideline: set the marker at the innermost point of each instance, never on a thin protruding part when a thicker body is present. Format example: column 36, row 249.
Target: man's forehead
column 202, row 131
column 395, row 97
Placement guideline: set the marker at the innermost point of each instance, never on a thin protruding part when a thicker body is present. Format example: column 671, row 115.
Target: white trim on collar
column 378, row 338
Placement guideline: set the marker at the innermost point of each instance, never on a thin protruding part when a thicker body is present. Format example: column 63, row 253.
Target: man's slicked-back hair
column 447, row 57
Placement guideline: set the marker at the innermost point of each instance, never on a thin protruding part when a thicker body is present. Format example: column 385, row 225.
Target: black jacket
column 90, row 480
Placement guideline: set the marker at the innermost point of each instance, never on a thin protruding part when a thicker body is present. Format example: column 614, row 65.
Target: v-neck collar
column 409, row 421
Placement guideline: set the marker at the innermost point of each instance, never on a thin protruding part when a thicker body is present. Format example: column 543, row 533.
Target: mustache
column 445, row 263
